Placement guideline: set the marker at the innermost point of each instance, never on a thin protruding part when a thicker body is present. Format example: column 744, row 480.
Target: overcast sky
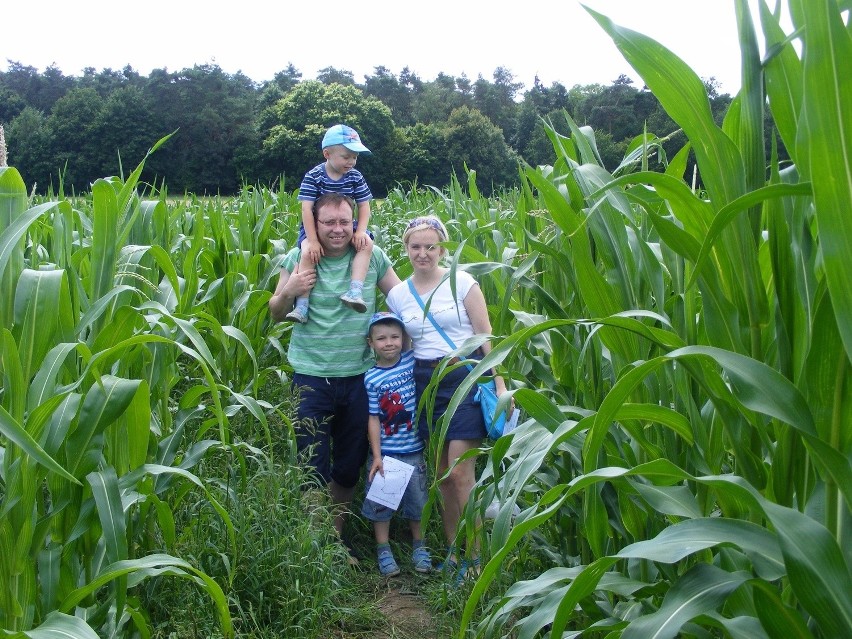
column 556, row 40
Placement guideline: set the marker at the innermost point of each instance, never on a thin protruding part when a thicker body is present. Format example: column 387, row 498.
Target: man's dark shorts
column 332, row 417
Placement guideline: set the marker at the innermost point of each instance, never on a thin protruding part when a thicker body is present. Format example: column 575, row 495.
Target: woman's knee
column 461, row 476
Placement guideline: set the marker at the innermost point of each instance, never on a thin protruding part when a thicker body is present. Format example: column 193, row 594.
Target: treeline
column 232, row 131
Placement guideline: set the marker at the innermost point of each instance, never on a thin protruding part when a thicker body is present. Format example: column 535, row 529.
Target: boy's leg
column 411, row 507
column 300, row 309
column 354, row 297
column 384, row 555
column 382, row 531
column 416, row 532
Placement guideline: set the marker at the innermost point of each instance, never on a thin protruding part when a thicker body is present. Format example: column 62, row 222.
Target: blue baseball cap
column 345, row 135
column 384, row 316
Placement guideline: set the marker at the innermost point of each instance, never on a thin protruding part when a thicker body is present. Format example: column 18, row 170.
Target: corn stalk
column 697, row 480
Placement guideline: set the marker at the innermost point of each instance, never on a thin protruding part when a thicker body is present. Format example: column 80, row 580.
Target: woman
column 460, row 317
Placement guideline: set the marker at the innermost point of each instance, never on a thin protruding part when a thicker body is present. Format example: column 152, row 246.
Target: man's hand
column 301, row 282
column 290, row 286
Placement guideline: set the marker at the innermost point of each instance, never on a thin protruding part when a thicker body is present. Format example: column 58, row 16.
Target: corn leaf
column 826, row 138
column 701, row 590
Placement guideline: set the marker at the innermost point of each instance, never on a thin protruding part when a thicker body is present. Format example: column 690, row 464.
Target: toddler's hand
column 313, row 250
column 361, row 240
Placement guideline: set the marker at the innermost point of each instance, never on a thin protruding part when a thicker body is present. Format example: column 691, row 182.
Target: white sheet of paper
column 388, row 490
column 512, row 422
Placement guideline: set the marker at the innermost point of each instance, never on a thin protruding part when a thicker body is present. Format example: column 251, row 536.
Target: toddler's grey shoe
column 296, row 316
column 354, row 301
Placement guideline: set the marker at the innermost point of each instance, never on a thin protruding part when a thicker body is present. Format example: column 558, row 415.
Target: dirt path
column 404, row 605
column 406, row 611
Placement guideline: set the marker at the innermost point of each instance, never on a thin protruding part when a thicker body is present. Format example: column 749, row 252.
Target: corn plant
column 682, row 358
column 86, row 354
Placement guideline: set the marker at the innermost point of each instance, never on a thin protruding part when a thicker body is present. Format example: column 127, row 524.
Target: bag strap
column 432, row 319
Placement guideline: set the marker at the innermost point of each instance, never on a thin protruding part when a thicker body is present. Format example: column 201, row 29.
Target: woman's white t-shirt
column 448, row 311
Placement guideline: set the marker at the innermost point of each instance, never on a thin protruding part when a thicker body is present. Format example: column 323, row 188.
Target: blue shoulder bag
column 486, row 394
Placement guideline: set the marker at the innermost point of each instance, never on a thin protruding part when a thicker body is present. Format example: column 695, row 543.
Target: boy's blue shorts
column 414, row 498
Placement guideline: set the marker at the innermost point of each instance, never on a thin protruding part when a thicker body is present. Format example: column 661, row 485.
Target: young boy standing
column 340, row 148
column 392, row 431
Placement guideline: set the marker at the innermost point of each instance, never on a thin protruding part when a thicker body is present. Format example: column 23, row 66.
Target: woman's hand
column 500, row 388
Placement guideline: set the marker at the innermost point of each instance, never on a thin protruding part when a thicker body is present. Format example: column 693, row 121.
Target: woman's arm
column 477, row 311
column 388, row 281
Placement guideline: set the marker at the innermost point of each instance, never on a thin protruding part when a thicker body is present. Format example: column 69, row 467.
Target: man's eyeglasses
column 330, row 224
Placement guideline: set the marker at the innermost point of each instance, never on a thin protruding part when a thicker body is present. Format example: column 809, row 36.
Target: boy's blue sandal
column 422, row 559
column 387, row 564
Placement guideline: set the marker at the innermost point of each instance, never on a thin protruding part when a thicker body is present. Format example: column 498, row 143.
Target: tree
column 384, row 86
column 73, row 144
column 124, row 129
column 11, row 104
column 27, row 140
column 214, row 115
column 410, row 81
column 438, row 99
column 613, row 110
column 107, row 80
column 294, row 126
column 497, row 100
column 420, row 156
column 540, row 104
column 279, row 86
column 38, row 91
column 473, row 141
column 330, row 75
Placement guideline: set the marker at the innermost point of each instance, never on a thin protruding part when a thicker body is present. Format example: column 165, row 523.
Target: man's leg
column 341, row 498
column 349, row 443
column 313, row 428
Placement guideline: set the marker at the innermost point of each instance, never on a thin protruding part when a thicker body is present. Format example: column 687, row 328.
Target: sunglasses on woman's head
column 427, row 221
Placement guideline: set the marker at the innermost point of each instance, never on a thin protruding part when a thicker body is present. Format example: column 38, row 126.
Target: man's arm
column 388, row 281
column 290, row 287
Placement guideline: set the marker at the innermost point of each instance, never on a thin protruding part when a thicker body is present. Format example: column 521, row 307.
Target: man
column 328, row 353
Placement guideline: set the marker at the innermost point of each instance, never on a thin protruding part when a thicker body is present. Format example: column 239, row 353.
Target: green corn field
column 678, row 341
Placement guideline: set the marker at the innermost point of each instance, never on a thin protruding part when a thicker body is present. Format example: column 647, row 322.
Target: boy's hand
column 361, row 240
column 377, row 466
column 313, row 250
